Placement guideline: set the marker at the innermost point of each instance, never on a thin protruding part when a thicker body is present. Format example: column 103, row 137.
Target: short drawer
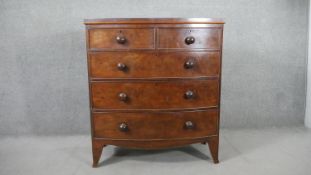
column 155, row 94
column 153, row 65
column 189, row 38
column 121, row 38
column 162, row 125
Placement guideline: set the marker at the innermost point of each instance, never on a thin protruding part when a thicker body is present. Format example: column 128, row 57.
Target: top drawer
column 189, row 38
column 139, row 38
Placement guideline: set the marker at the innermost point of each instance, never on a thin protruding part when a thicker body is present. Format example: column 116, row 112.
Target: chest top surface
column 154, row 21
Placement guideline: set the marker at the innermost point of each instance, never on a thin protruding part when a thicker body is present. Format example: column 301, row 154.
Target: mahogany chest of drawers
column 154, row 83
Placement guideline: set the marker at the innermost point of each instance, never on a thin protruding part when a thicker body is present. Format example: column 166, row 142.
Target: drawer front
column 155, row 125
column 121, row 38
column 150, row 64
column 188, row 38
column 155, row 95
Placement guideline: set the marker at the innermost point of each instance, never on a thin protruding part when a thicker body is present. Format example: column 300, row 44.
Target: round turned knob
column 121, row 39
column 121, row 66
column 123, row 96
column 189, row 40
column 189, row 64
column 189, row 125
column 189, row 95
column 123, row 127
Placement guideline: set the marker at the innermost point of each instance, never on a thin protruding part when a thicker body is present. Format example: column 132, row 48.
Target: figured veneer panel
column 175, row 38
column 155, row 95
column 155, row 125
column 105, row 38
column 154, row 65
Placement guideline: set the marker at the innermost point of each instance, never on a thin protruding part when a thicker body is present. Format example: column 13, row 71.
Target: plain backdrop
column 308, row 95
column 43, row 73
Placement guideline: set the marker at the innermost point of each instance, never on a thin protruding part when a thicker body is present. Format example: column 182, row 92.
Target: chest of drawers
column 154, row 83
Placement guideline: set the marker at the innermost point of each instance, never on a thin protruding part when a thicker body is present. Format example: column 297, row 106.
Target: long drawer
column 153, row 64
column 155, row 94
column 154, row 125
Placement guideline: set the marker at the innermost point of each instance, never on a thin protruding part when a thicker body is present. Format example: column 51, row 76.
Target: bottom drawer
column 155, row 125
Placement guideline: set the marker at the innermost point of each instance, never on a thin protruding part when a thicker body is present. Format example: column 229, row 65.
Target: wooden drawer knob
column 121, row 66
column 121, row 39
column 189, row 40
column 189, row 95
column 123, row 97
column 189, row 125
column 189, row 64
column 123, row 127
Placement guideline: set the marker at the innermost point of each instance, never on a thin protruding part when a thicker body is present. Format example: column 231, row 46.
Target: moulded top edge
column 154, row 21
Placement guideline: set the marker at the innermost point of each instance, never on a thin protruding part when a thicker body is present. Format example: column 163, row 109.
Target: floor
column 284, row 151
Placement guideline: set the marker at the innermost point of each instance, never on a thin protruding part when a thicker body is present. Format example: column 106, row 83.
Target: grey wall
column 308, row 94
column 43, row 74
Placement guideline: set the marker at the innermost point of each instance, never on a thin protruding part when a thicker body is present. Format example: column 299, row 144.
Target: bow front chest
column 154, row 83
